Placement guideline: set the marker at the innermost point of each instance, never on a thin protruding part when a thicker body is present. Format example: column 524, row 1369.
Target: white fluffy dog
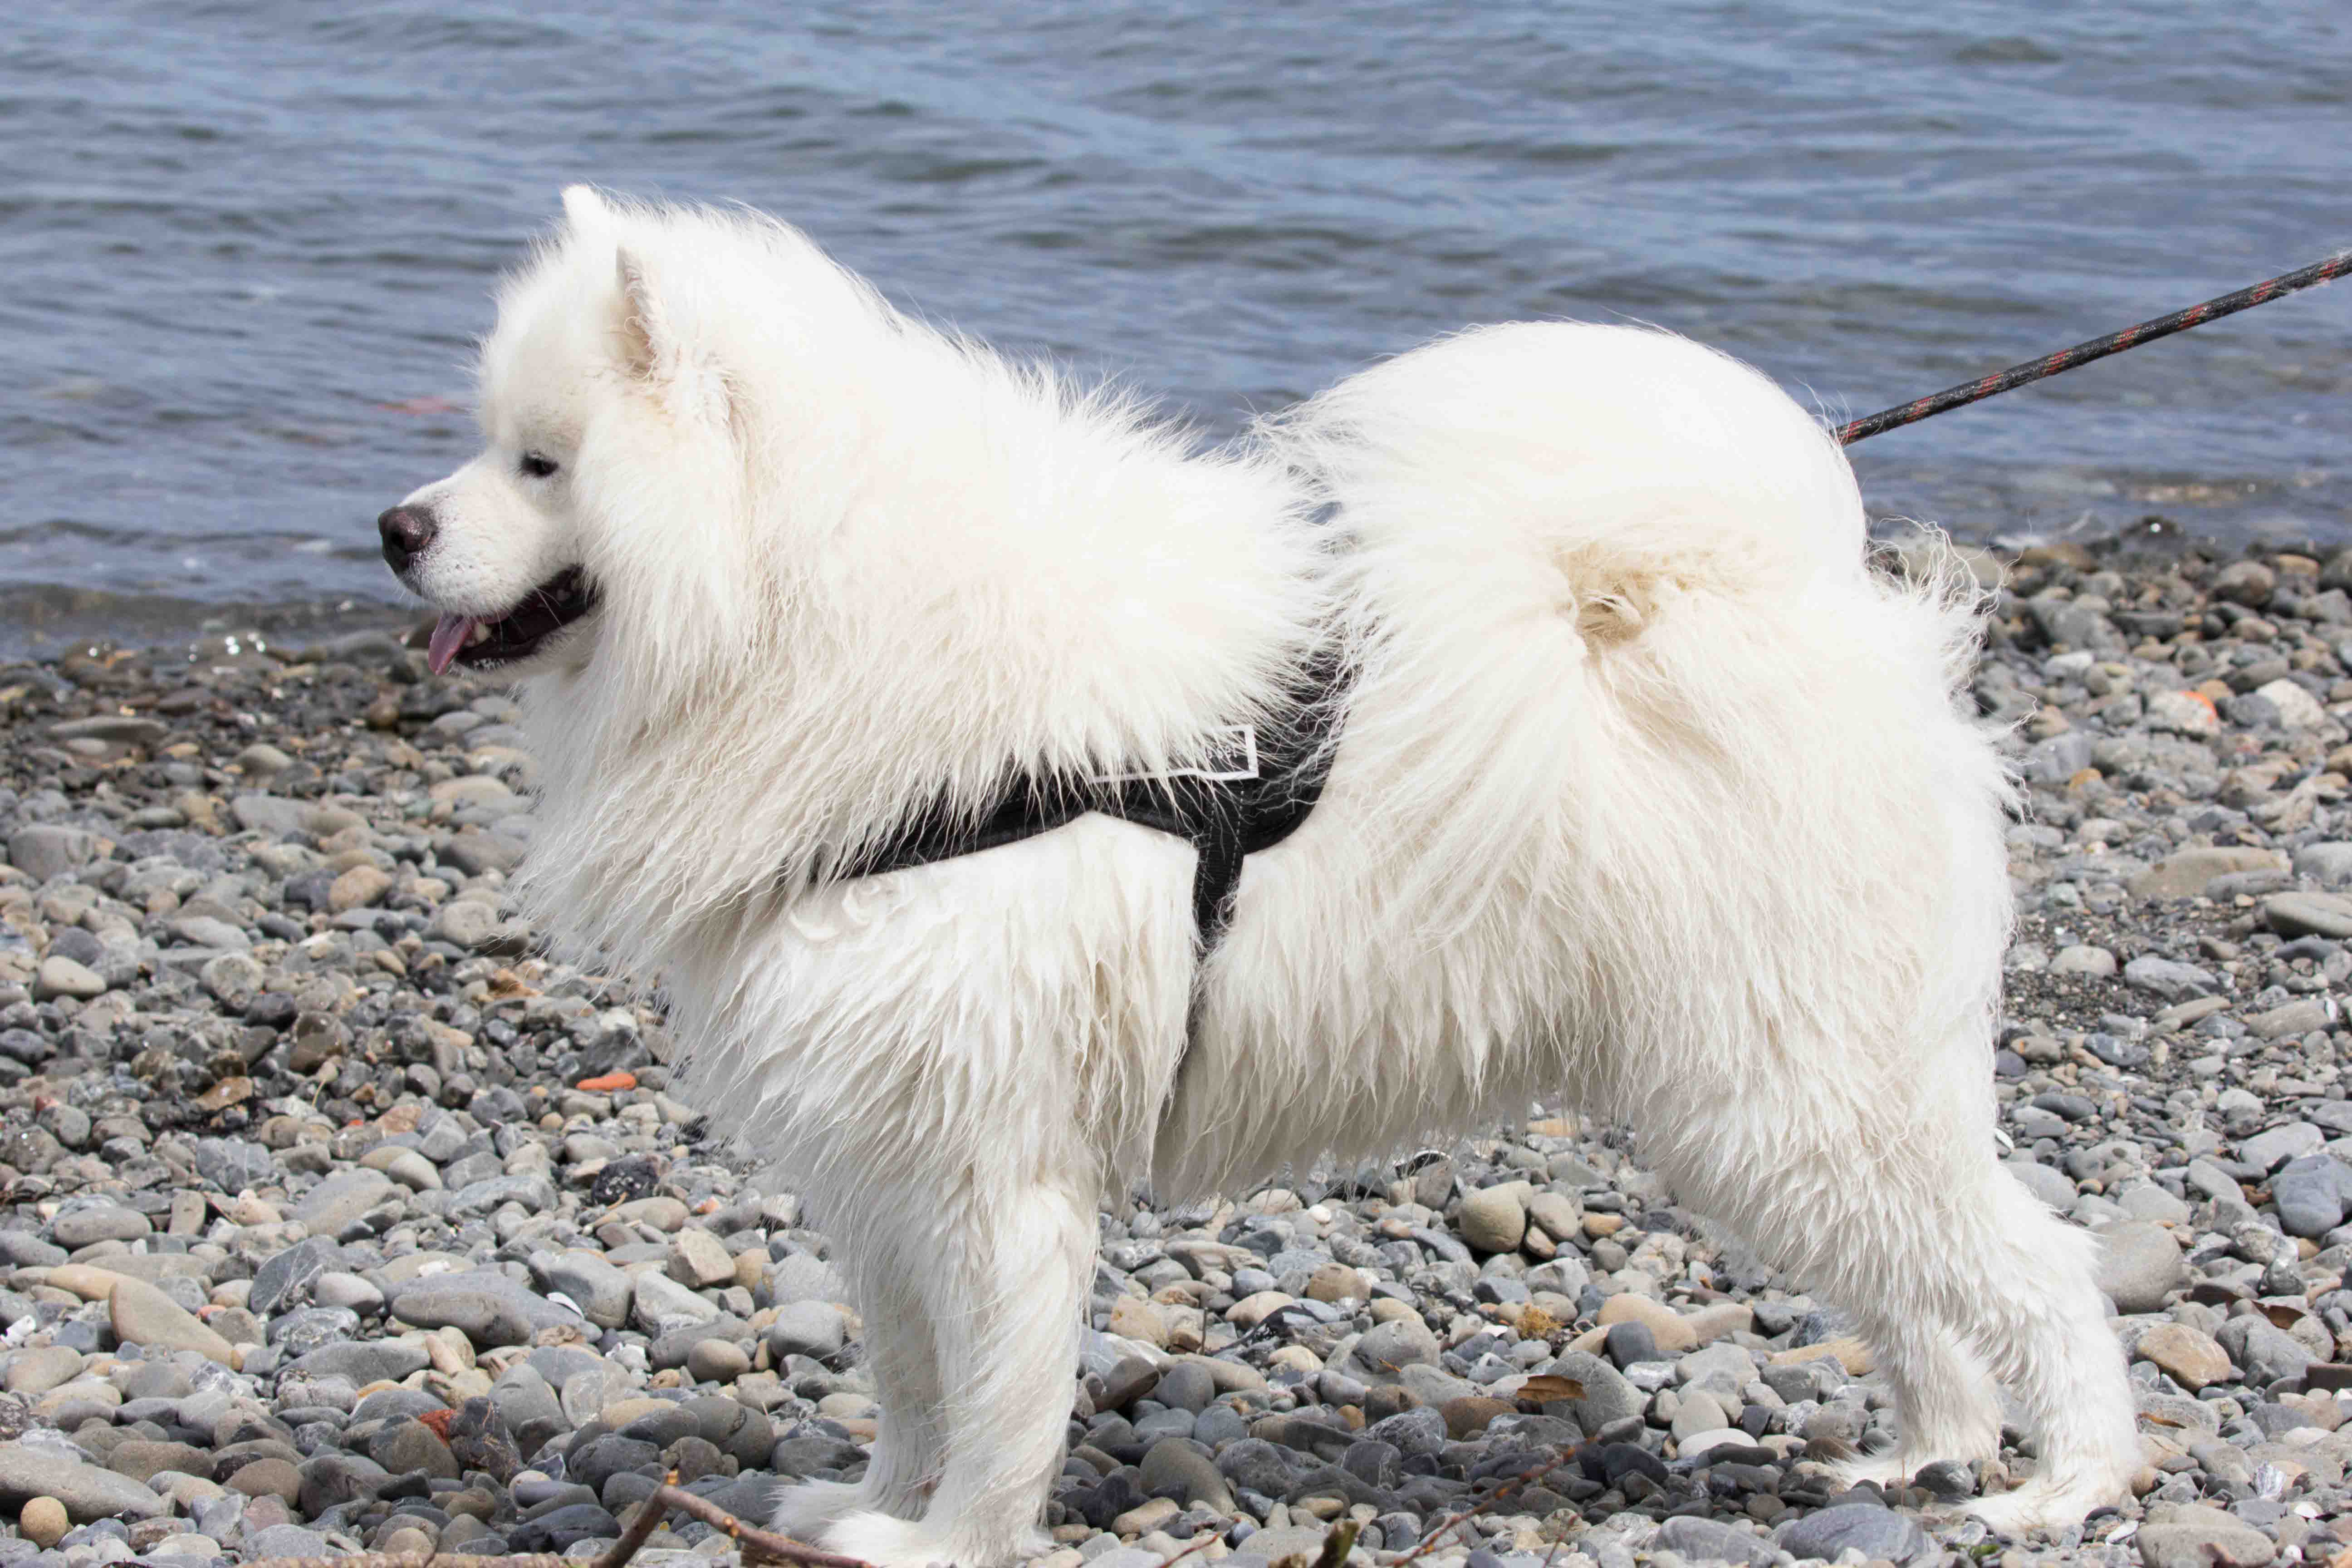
column 1646, row 789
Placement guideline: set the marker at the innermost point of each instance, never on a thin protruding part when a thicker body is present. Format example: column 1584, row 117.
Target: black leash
column 1968, row 392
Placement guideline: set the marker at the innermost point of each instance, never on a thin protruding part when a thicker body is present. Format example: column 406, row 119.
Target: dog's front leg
column 1012, row 1250
column 904, row 1356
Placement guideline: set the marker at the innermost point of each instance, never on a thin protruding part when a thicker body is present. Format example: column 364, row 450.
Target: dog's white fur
column 1649, row 791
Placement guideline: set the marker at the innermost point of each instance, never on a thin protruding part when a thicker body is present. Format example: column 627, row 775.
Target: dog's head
column 605, row 433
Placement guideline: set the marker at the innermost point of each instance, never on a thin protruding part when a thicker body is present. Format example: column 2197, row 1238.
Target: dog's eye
column 537, row 465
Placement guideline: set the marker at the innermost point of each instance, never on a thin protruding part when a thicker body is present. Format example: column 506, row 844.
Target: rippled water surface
column 247, row 247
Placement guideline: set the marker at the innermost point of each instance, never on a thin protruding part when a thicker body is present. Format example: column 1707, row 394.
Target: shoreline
column 429, row 1258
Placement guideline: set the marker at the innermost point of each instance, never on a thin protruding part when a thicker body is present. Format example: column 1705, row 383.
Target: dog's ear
column 654, row 353
column 648, row 349
column 583, row 209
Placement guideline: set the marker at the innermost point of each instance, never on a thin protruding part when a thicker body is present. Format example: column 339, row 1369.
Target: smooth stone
column 280, row 1541
column 717, row 1360
column 1711, row 1541
column 33, row 1373
column 267, row 1477
column 2194, row 1536
column 2312, row 1195
column 1386, row 1350
column 208, row 931
column 340, row 1202
column 2308, row 914
column 601, row 1292
column 2094, row 963
column 2139, row 1266
column 1867, row 1527
column 362, row 1362
column 1302, row 1541
column 2268, row 1151
column 1494, row 1219
column 409, row 1445
column 336, row 1289
column 29, row 1470
column 233, row 980
column 488, row 1314
column 2167, row 978
column 78, row 1228
column 810, row 1329
column 2294, row 1018
column 47, row 849
column 2328, row 863
column 44, row 1522
column 358, row 887
column 1607, row 1398
column 1185, row 1385
column 142, row 1460
column 2047, row 1183
column 2190, row 1357
column 406, row 1166
column 661, row 1304
column 2184, row 873
column 804, row 1276
column 2298, row 709
column 1175, row 1469
column 698, row 1261
column 2267, row 1353
column 144, row 1316
column 59, row 976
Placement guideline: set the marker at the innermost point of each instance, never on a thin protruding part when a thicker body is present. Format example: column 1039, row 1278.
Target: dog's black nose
column 407, row 531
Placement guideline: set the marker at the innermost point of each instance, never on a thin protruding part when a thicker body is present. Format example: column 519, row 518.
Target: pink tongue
column 449, row 635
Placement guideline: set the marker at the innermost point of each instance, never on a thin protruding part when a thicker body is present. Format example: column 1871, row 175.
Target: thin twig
column 1452, row 1522
column 640, row 1528
column 1206, row 1540
column 417, row 1560
column 756, row 1542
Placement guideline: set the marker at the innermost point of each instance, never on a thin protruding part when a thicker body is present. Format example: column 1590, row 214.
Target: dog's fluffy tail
column 1614, row 452
column 1557, row 536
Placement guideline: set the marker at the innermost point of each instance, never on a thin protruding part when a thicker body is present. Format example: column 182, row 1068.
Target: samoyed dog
column 1612, row 770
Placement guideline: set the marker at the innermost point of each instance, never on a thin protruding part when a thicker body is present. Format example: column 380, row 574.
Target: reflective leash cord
column 1968, row 392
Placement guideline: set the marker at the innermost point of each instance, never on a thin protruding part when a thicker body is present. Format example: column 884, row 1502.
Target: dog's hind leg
column 1954, row 1274
column 1944, row 1403
column 2013, row 1297
column 1015, row 1256
column 906, row 1454
column 2039, row 1321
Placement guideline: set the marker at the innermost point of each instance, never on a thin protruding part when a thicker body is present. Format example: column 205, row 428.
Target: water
column 246, row 247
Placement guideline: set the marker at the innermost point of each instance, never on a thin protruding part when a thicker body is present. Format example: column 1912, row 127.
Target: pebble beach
column 334, row 1216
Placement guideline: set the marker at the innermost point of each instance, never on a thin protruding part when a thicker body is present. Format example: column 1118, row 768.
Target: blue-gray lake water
column 245, row 248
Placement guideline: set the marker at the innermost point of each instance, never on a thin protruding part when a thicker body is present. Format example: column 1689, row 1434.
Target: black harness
column 1259, row 783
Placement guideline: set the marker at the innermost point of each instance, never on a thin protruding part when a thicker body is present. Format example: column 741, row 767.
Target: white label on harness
column 1240, row 754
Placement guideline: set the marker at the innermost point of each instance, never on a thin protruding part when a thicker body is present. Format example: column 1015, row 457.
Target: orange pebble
column 611, row 1083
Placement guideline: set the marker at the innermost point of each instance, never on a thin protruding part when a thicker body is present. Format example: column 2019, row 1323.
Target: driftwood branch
column 758, row 1545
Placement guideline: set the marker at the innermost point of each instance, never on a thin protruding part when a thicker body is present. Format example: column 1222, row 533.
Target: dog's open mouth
column 486, row 643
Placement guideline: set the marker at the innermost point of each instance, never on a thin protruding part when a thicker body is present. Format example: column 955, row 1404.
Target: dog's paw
column 888, row 1542
column 2041, row 1506
column 804, row 1508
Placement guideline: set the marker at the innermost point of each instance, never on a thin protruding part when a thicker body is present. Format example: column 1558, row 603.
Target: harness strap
column 1260, row 785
